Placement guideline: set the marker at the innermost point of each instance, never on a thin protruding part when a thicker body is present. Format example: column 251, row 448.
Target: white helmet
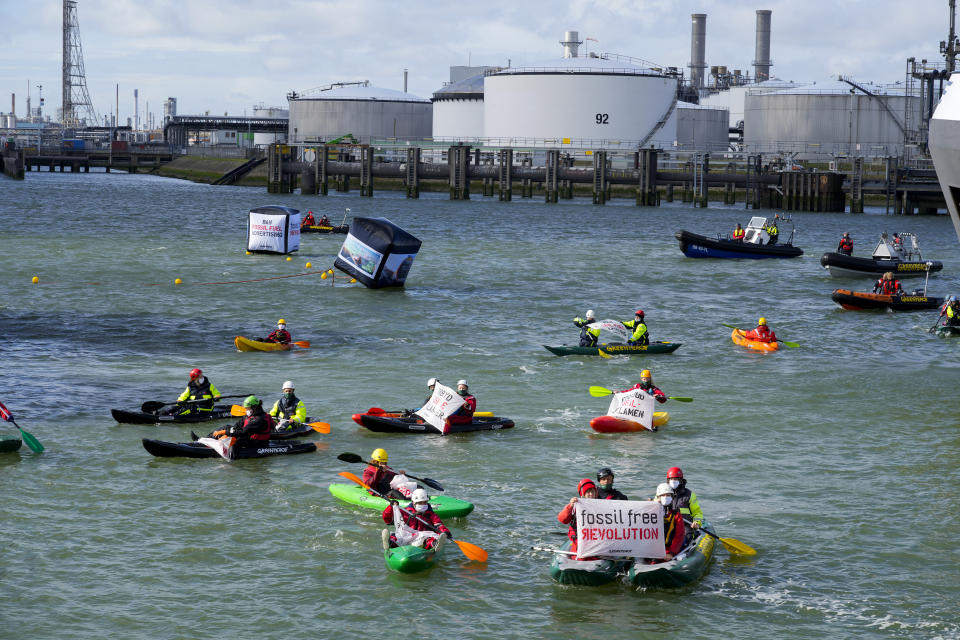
column 663, row 489
column 462, row 382
column 419, row 495
column 590, row 313
column 432, row 381
column 288, row 385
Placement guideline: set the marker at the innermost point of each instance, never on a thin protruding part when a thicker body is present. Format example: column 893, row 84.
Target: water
column 837, row 461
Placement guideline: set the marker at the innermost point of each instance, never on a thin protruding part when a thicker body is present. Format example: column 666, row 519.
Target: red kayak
column 611, row 424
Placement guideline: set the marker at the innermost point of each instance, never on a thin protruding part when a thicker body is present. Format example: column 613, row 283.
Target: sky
column 222, row 56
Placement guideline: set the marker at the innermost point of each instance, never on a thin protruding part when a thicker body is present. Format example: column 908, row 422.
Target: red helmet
column 195, row 373
column 674, row 472
column 585, row 485
column 639, row 312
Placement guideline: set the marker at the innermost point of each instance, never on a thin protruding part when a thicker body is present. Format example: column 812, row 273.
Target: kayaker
column 646, row 383
column 673, row 528
column 378, row 476
column 762, row 333
column 308, row 221
column 773, row 231
column 685, row 499
column 605, row 490
column 738, row 233
column 888, row 285
column 199, row 388
column 846, row 245
column 588, row 336
column 585, row 489
column 464, row 415
column 953, row 312
column 639, row 336
column 289, row 408
column 431, row 385
column 419, row 508
column 253, row 429
column 281, row 335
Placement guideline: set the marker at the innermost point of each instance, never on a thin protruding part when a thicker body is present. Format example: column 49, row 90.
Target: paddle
column 377, row 411
column 303, row 344
column 732, row 545
column 786, row 343
column 604, row 354
column 599, row 392
column 32, row 442
column 472, row 551
column 354, row 458
column 319, row 427
column 152, row 406
column 931, row 329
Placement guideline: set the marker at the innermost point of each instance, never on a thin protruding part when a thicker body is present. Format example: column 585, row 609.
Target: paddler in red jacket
column 281, row 335
column 253, row 429
column 585, row 489
column 419, row 508
column 464, row 415
column 646, row 383
column 762, row 333
column 378, row 475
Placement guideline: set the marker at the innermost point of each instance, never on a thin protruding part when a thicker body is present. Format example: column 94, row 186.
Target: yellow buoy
column 329, row 270
column 309, row 264
column 35, row 280
column 353, row 280
column 289, row 258
column 248, row 253
column 178, row 281
column 323, row 276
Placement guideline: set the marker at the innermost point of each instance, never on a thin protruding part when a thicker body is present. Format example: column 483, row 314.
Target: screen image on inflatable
column 273, row 229
column 377, row 253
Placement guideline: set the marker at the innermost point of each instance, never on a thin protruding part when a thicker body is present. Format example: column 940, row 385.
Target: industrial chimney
column 762, row 62
column 698, row 44
column 570, row 44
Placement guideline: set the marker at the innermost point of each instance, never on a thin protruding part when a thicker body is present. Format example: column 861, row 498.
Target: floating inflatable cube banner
column 273, row 229
column 377, row 253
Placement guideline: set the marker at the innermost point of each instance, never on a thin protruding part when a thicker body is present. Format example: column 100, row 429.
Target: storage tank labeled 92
column 598, row 97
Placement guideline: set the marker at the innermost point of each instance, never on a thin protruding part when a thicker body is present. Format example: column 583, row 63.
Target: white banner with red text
column 442, row 404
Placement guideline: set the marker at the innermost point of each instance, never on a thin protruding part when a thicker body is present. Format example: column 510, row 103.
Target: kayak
column 394, row 423
column 410, row 559
column 740, row 338
column 443, row 506
column 694, row 245
column 586, row 573
column 196, row 450
column 861, row 300
column 322, row 228
column 220, row 412
column 688, row 565
column 302, row 429
column 612, row 424
column 9, row 443
column 947, row 331
column 246, row 344
column 615, row 349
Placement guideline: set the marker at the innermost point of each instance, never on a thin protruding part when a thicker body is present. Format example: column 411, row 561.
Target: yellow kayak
column 246, row 344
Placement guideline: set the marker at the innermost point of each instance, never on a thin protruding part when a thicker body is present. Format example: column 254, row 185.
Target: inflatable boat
column 754, row 244
column 902, row 258
column 861, row 300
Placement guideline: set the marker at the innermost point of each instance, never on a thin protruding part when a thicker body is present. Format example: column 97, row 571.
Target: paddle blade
column 433, row 484
column 604, row 354
column 792, row 345
column 237, row 410
column 303, row 344
column 680, row 398
column 32, row 442
column 735, row 546
column 350, row 476
column 320, row 427
column 349, row 457
column 599, row 392
column 151, row 406
column 375, row 411
column 472, row 551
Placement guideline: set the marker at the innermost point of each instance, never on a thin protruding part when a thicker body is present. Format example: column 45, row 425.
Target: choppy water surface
column 837, row 461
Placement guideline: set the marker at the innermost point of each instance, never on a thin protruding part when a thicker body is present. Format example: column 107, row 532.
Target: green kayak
column 412, row 559
column 946, row 331
column 588, row 573
column 689, row 565
column 9, row 443
column 442, row 505
column 615, row 349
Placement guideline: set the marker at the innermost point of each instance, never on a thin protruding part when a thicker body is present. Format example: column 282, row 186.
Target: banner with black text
column 620, row 528
column 635, row 404
column 441, row 405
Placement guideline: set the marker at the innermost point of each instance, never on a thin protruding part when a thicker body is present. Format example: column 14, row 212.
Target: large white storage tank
column 833, row 117
column 458, row 110
column 594, row 100
column 702, row 127
column 735, row 97
column 273, row 113
column 362, row 110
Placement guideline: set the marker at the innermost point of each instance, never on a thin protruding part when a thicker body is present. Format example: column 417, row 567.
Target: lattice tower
column 76, row 99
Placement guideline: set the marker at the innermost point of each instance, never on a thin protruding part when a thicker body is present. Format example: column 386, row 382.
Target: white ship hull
column 944, row 146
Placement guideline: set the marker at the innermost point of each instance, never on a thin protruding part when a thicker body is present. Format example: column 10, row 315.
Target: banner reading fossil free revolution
column 622, row 528
column 441, row 405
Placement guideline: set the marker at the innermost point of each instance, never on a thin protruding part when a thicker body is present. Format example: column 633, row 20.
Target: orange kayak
column 739, row 337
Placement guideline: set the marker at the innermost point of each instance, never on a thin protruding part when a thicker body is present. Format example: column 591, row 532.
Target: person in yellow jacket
column 588, row 336
column 772, row 230
column 199, row 388
column 953, row 312
column 639, row 337
column 289, row 408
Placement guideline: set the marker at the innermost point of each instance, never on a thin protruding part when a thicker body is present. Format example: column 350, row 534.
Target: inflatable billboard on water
column 273, row 229
column 377, row 253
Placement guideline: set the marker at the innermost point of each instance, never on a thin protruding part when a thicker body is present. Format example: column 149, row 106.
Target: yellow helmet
column 379, row 455
column 762, row 322
column 645, row 373
column 281, row 321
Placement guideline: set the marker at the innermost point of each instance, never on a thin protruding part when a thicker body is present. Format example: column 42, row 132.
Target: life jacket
column 589, row 337
column 846, row 246
column 681, row 497
column 281, row 336
column 464, row 415
column 738, row 234
column 888, row 287
column 263, row 425
column 378, row 478
column 287, row 409
column 639, row 335
column 673, row 527
column 201, row 392
column 309, row 221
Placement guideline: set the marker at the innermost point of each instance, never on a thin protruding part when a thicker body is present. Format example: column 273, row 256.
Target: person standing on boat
column 253, row 429
column 887, row 285
column 464, row 415
column 738, row 233
column 585, row 489
column 199, row 388
column 588, row 336
column 772, row 230
column 308, row 221
column 639, row 337
column 673, row 528
column 646, row 383
column 281, row 335
column 289, row 408
column 762, row 333
column 686, row 500
column 845, row 246
column 605, row 490
column 419, row 508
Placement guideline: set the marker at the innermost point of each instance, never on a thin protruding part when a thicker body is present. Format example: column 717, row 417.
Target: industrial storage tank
column 274, row 113
column 359, row 109
column 733, row 98
column 458, row 110
column 830, row 118
column 702, row 127
column 600, row 100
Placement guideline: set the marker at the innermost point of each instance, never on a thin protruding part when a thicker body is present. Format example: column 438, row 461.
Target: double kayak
column 410, row 559
column 947, row 331
column 9, row 443
column 323, row 228
column 686, row 567
column 613, row 424
column 395, row 423
column 739, row 337
column 163, row 449
column 615, row 349
column 246, row 344
column 443, row 506
column 861, row 300
column 220, row 412
column 587, row 573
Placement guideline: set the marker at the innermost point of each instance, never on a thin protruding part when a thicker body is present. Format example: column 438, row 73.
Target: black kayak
column 397, row 424
column 220, row 412
column 163, row 449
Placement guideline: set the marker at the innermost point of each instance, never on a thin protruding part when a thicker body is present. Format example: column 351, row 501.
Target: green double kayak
column 412, row 559
column 9, row 443
column 588, row 573
column 443, row 506
column 615, row 349
column 688, row 565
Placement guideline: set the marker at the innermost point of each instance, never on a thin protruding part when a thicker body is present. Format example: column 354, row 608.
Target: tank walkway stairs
column 231, row 177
